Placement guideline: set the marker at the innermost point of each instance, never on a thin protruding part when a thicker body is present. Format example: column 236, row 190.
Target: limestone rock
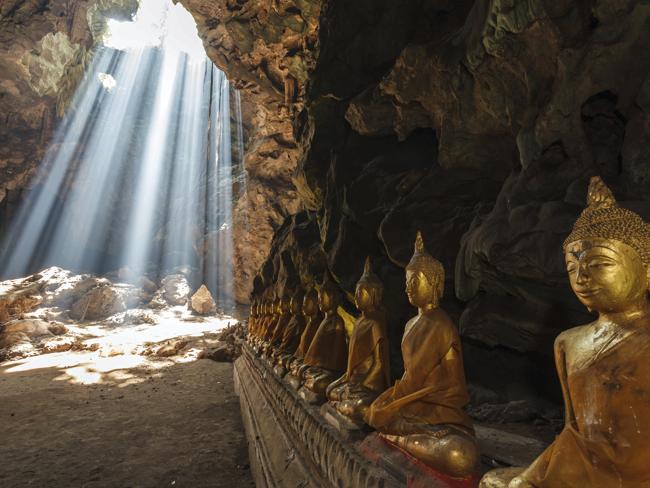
column 223, row 352
column 174, row 290
column 98, row 303
column 202, row 301
column 23, row 331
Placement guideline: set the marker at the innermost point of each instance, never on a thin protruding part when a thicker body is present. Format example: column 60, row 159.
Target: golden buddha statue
column 292, row 332
column 313, row 319
column 367, row 373
column 266, row 324
column 284, row 317
column 274, row 314
column 327, row 355
column 604, row 366
column 423, row 412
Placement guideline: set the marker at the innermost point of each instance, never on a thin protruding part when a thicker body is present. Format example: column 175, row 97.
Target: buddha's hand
column 519, row 482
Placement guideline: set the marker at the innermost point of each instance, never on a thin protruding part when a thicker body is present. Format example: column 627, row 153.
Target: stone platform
column 295, row 444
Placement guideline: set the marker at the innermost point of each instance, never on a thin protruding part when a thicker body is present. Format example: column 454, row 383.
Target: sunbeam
column 139, row 173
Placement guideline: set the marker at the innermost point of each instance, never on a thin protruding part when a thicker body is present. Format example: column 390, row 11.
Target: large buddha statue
column 604, row 366
column 367, row 373
column 313, row 318
column 327, row 355
column 423, row 412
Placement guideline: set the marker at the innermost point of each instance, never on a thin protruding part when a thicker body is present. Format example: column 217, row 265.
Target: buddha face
column 326, row 300
column 420, row 290
column 606, row 275
column 364, row 298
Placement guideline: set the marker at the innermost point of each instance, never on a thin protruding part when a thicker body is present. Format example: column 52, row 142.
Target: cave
column 181, row 181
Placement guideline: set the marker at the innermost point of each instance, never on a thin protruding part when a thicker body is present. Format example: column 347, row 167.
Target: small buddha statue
column 326, row 358
column 367, row 373
column 265, row 324
column 313, row 319
column 284, row 317
column 293, row 330
column 423, row 412
column 275, row 314
column 252, row 321
column 604, row 366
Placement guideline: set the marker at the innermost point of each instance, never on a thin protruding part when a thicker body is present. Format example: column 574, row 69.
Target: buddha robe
column 367, row 337
column 307, row 336
column 292, row 334
column 329, row 348
column 280, row 327
column 607, row 442
column 432, row 390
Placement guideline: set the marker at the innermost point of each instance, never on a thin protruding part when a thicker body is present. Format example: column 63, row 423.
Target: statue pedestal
column 348, row 428
column 310, row 397
column 407, row 469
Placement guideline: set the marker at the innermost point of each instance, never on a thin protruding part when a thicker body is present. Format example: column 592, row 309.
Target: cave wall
column 477, row 122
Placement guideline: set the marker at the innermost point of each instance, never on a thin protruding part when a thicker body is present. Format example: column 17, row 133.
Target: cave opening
column 138, row 179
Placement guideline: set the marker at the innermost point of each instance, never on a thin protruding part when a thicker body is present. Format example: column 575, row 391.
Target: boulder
column 98, row 303
column 23, row 331
column 223, row 352
column 175, row 289
column 202, row 301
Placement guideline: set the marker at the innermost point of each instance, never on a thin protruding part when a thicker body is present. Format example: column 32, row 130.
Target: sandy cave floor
column 77, row 419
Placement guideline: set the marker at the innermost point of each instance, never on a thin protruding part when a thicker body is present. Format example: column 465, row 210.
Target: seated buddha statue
column 604, row 366
column 269, row 318
column 259, row 321
column 367, row 373
column 252, row 320
column 327, row 356
column 293, row 330
column 274, row 316
column 281, row 324
column 422, row 413
column 313, row 319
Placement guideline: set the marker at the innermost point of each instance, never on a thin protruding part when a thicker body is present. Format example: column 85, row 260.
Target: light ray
column 140, row 170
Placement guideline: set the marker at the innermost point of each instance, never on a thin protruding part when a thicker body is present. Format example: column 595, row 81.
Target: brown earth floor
column 81, row 421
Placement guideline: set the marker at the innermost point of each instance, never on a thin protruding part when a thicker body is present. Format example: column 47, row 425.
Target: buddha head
column 607, row 254
column 369, row 291
column 296, row 302
column 328, row 295
column 310, row 303
column 425, row 277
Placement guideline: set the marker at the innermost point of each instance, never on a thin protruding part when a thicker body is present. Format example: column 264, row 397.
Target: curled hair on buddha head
column 604, row 219
column 371, row 282
column 427, row 264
